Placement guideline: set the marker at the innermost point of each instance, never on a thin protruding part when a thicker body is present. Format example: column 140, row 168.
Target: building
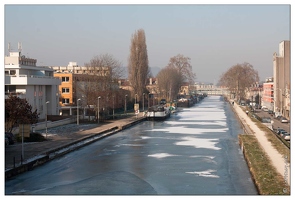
column 34, row 83
column 267, row 94
column 83, row 85
column 281, row 81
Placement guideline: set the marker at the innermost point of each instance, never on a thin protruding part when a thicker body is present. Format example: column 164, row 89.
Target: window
column 65, row 79
column 12, row 72
column 65, row 90
column 65, row 101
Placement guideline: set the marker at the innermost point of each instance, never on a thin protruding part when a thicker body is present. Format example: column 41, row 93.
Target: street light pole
column 47, row 102
column 125, row 103
column 143, row 102
column 78, row 111
column 135, row 98
column 149, row 100
column 98, row 109
column 113, row 107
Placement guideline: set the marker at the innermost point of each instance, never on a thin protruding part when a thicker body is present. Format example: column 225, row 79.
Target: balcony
column 31, row 80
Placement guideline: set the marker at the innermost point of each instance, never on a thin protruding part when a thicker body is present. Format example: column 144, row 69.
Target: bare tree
column 138, row 66
column 100, row 79
column 239, row 78
column 169, row 82
column 182, row 64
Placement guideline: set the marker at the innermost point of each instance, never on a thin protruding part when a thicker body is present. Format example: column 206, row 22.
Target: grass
column 266, row 178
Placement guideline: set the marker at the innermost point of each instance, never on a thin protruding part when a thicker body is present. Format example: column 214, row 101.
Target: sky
column 214, row 36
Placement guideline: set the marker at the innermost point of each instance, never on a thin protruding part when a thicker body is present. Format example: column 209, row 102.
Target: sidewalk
column 34, row 149
column 277, row 159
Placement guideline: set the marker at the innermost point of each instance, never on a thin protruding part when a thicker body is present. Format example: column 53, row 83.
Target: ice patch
column 205, row 173
column 184, row 130
column 219, row 123
column 131, row 145
column 199, row 143
column 161, row 155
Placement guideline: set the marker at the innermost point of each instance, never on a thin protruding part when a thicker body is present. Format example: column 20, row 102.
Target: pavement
column 31, row 150
column 279, row 161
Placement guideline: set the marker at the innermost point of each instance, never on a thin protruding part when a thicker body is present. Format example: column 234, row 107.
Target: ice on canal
column 195, row 151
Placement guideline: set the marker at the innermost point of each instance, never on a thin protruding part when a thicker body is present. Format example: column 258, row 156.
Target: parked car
column 163, row 101
column 10, row 137
column 279, row 129
column 284, row 120
column 279, row 117
column 270, row 112
column 282, row 133
column 6, row 141
column 286, row 136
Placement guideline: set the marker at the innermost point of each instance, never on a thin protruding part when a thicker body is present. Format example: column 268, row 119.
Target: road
column 195, row 152
column 277, row 123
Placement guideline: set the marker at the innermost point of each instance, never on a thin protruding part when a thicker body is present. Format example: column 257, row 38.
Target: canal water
column 194, row 152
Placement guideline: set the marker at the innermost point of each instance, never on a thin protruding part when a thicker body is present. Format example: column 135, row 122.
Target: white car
column 284, row 120
column 287, row 136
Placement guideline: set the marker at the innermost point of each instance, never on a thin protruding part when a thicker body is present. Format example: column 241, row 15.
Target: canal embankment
column 270, row 168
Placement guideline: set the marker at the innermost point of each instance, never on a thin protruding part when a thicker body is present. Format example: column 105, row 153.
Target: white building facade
column 34, row 83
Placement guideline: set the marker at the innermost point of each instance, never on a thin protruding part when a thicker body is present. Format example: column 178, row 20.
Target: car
column 270, row 112
column 163, row 101
column 283, row 132
column 10, row 137
column 279, row 117
column 279, row 129
column 286, row 136
column 6, row 141
column 284, row 120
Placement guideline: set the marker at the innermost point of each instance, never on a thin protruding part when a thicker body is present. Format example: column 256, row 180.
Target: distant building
column 35, row 84
column 267, row 95
column 282, row 76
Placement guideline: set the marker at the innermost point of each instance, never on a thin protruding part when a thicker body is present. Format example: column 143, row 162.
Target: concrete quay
column 37, row 153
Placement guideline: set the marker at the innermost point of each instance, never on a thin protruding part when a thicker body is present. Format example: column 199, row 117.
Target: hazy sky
column 215, row 37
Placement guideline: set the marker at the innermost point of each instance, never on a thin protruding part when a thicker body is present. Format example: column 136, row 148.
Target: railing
column 33, row 76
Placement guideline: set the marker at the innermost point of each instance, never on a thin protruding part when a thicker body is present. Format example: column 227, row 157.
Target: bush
column 34, row 137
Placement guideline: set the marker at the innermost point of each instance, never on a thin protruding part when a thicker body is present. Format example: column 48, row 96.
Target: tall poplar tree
column 138, row 65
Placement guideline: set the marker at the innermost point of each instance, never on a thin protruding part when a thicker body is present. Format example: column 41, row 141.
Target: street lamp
column 47, row 102
column 125, row 103
column 78, row 111
column 113, row 107
column 149, row 99
column 143, row 102
column 98, row 109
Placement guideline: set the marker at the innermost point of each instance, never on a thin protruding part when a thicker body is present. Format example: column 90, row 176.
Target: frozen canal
column 195, row 152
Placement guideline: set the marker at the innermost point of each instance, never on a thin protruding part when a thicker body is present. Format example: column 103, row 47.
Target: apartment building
column 281, row 81
column 34, row 83
column 267, row 94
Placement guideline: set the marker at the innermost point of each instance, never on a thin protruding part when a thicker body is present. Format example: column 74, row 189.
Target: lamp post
column 78, row 111
column 143, row 102
column 149, row 99
column 47, row 102
column 113, row 107
column 98, row 109
column 125, row 103
column 135, row 98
